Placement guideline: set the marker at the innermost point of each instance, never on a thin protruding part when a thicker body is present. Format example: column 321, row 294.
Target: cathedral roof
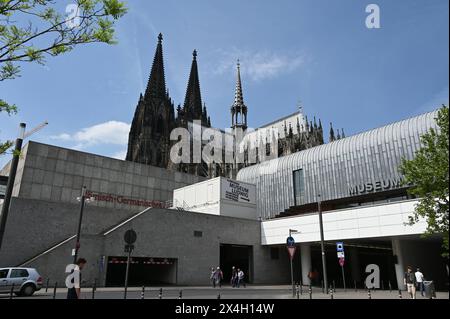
column 156, row 86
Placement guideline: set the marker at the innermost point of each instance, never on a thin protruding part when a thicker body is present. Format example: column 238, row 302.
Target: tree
column 428, row 173
column 31, row 30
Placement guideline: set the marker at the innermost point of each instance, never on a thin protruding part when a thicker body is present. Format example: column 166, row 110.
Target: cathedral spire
column 156, row 86
column 332, row 136
column 239, row 109
column 193, row 99
column 238, row 96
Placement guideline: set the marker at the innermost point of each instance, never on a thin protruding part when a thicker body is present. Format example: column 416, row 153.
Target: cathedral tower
column 148, row 141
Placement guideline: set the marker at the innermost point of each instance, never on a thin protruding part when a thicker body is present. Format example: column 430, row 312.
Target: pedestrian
column 410, row 282
column 420, row 279
column 211, row 277
column 75, row 291
column 240, row 278
column 217, row 277
column 233, row 277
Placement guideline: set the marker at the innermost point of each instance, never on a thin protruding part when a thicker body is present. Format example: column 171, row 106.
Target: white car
column 23, row 281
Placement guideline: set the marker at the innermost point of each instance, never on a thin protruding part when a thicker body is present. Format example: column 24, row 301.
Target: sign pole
column 343, row 277
column 130, row 238
column 292, row 278
column 290, row 242
column 127, row 271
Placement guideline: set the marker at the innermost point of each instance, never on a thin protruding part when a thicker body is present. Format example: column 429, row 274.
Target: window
column 198, row 233
column 274, row 253
column 299, row 187
column 3, row 273
column 19, row 273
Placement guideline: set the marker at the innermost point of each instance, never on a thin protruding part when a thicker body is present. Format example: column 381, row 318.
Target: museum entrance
column 144, row 271
column 238, row 256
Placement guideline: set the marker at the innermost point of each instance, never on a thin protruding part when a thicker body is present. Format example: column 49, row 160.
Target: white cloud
column 120, row 155
column 112, row 133
column 259, row 65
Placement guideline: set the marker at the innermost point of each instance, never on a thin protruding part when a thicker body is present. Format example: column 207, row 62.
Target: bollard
column 11, row 292
column 310, row 292
column 400, row 294
column 180, row 295
column 94, row 288
column 356, row 289
column 218, row 296
column 390, row 286
column 301, row 288
column 160, row 293
column 331, row 293
column 46, row 285
column 369, row 294
column 54, row 290
column 143, row 292
column 297, row 291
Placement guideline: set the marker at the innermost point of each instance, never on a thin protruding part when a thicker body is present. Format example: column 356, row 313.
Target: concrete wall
column 52, row 173
column 35, row 226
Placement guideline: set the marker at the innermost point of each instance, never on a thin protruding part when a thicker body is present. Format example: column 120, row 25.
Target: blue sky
column 316, row 52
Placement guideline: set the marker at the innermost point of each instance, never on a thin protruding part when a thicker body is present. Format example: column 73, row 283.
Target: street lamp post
column 12, row 174
column 80, row 219
column 322, row 246
column 11, row 180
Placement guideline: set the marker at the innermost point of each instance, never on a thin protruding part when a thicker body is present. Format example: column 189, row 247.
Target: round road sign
column 130, row 237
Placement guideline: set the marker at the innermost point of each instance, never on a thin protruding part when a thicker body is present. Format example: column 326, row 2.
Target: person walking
column 420, row 279
column 410, row 282
column 211, row 277
column 75, row 291
column 217, row 277
column 233, row 277
column 241, row 280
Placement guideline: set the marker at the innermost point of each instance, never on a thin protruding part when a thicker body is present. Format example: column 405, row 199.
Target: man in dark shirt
column 410, row 282
column 75, row 292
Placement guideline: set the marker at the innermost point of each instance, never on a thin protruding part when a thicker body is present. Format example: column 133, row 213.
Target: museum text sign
column 238, row 192
column 376, row 186
column 117, row 199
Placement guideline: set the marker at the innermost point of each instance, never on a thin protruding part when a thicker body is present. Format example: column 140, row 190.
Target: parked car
column 23, row 281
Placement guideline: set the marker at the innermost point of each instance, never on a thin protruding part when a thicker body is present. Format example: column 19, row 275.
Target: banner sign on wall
column 238, row 192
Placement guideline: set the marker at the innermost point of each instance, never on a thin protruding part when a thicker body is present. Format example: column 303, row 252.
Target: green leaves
column 44, row 31
column 428, row 172
column 9, row 109
column 114, row 8
column 9, row 71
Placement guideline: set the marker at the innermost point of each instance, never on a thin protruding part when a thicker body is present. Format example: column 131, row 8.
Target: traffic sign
column 291, row 251
column 130, row 237
column 340, row 246
column 129, row 248
column 290, row 241
column 341, row 262
column 341, row 254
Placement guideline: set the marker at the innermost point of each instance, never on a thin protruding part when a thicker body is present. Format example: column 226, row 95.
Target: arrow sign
column 290, row 241
column 291, row 251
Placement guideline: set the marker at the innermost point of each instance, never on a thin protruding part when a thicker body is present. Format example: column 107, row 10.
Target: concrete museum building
column 187, row 224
